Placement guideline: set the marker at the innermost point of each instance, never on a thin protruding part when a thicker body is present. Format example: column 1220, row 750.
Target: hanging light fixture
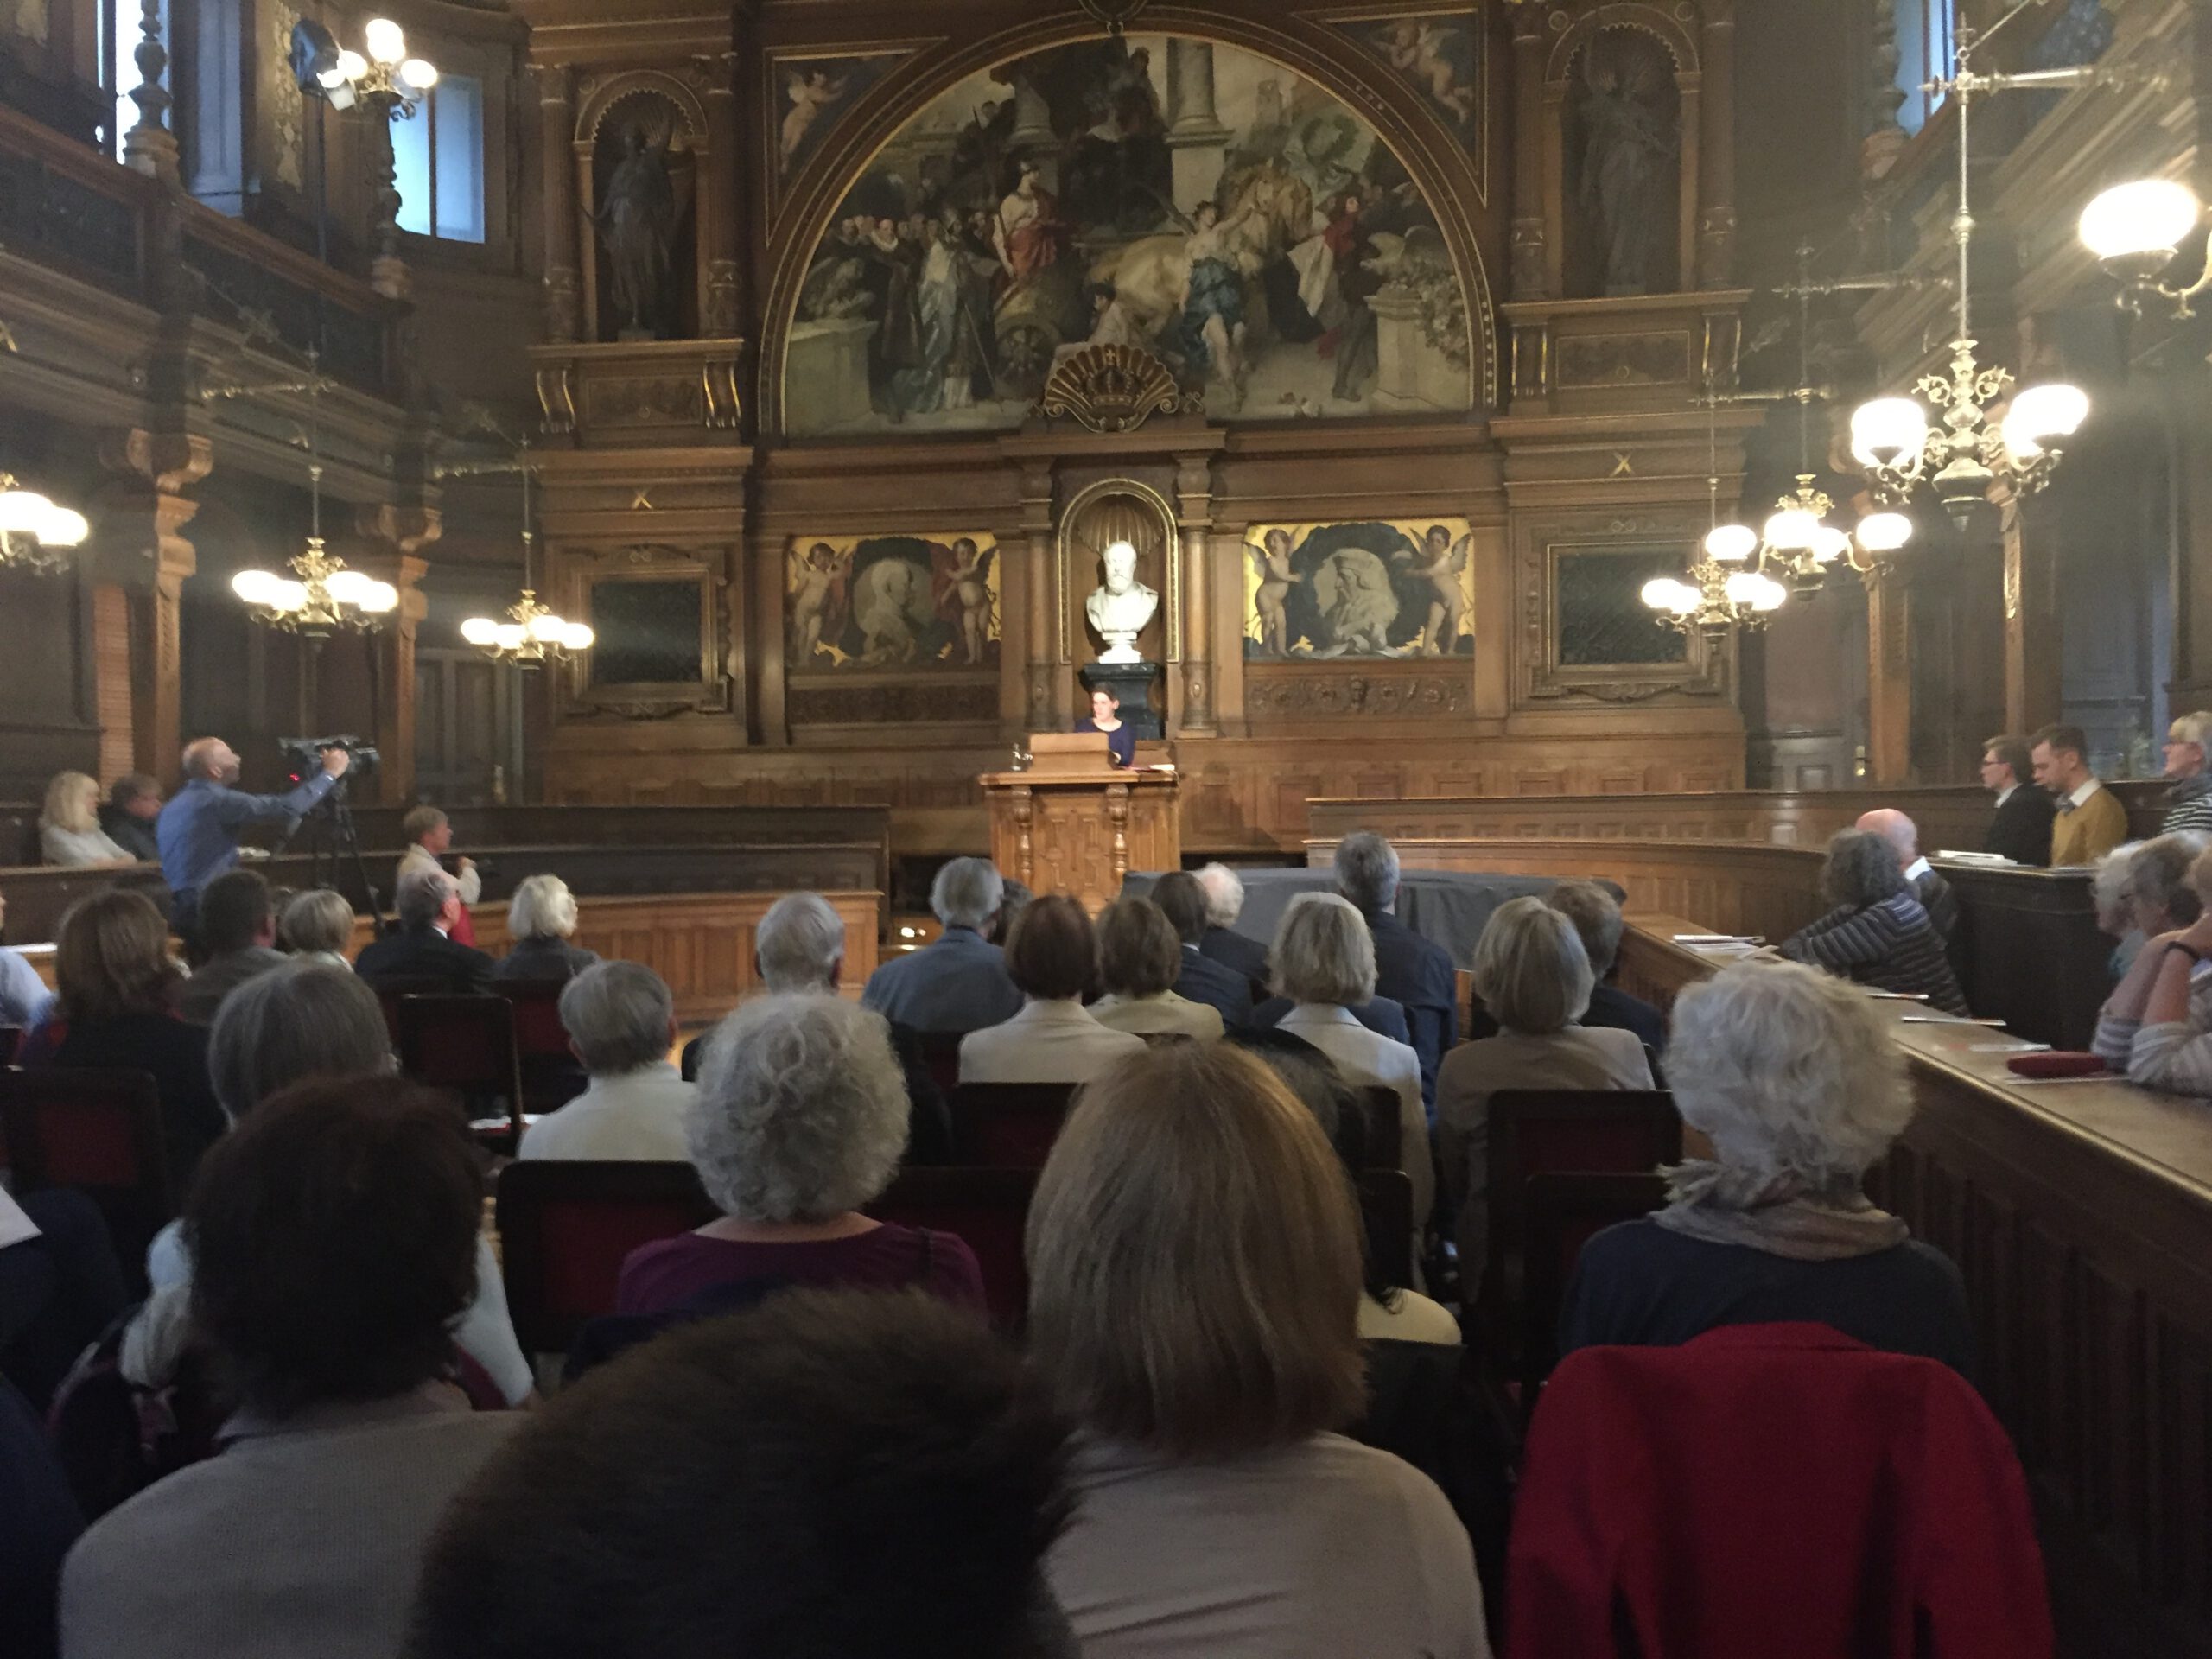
column 321, row 597
column 35, row 533
column 1725, row 588
column 533, row 634
column 2136, row 229
column 1975, row 445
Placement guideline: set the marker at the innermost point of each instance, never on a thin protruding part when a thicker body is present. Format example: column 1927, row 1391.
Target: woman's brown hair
column 1140, row 954
column 1194, row 1260
column 113, row 957
column 1053, row 950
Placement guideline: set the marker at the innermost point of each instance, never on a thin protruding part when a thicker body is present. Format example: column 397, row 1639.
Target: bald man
column 198, row 830
column 1932, row 890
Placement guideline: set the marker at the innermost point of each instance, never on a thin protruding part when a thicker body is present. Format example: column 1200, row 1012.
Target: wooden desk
column 2081, row 1216
column 1081, row 831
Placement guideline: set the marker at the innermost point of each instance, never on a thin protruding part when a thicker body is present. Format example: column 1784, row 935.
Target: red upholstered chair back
column 1559, row 1214
column 987, row 1209
column 1008, row 1125
column 390, row 991
column 537, row 1004
column 99, row 1132
column 465, row 1042
column 566, row 1227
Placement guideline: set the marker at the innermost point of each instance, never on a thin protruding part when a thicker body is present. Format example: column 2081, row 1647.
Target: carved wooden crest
column 1114, row 389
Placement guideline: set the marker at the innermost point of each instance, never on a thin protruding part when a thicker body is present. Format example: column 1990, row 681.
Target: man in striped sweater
column 2189, row 803
column 1878, row 934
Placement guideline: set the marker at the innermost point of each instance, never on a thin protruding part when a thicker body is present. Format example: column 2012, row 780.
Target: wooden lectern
column 1074, row 824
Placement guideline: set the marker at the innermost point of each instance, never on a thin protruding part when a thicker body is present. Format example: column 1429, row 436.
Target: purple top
column 662, row 1275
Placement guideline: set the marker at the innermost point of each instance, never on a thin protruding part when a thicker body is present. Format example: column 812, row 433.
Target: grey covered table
column 1449, row 906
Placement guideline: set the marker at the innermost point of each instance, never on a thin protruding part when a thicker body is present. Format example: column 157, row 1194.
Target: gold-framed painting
column 1363, row 590
column 892, row 602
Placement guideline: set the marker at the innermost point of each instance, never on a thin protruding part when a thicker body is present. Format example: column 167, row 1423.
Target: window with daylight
column 1927, row 50
column 121, row 26
column 438, row 159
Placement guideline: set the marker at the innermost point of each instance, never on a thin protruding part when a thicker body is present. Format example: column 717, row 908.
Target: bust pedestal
column 1131, row 684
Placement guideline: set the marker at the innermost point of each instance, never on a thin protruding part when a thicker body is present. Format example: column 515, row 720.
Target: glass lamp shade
column 23, row 512
column 381, row 598
column 419, row 73
column 348, row 587
column 1659, row 593
column 547, row 628
column 1830, row 544
column 386, row 40
column 576, row 637
column 256, row 586
column 1771, row 596
column 480, row 631
column 1793, row 530
column 64, row 527
column 1730, row 544
column 1884, row 532
column 508, row 636
column 2149, row 217
column 2038, row 414
column 1886, row 430
column 352, row 66
column 1761, row 593
column 286, row 595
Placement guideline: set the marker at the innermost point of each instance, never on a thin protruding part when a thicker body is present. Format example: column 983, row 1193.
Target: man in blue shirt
column 198, row 830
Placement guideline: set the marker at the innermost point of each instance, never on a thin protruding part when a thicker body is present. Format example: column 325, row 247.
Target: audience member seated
column 238, row 930
column 430, row 836
column 24, row 999
column 2115, row 908
column 1535, row 977
column 799, row 1121
column 1182, row 900
column 1221, row 942
column 799, row 945
column 1794, row 1080
column 1933, row 892
column 541, row 923
column 621, row 1024
column 2189, row 803
column 1597, row 923
column 2156, row 1025
column 835, row 1473
column 957, row 982
column 1015, row 897
column 115, row 1009
column 69, row 830
column 1324, row 961
column 1139, row 958
column 134, row 801
column 2141, row 890
column 1194, row 1265
column 2021, row 829
column 316, row 926
column 39, row 1519
column 1052, row 959
column 1878, row 934
column 1415, row 973
column 424, row 950
column 305, row 1021
column 60, row 1288
column 334, row 1234
column 2090, row 820
column 1386, row 1312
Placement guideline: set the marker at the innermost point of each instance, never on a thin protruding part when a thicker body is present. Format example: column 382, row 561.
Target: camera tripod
column 332, row 839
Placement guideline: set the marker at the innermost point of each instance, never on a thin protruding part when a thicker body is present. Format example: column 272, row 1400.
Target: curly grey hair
column 966, row 893
column 1862, row 869
column 801, row 1109
column 2154, row 886
column 1224, row 894
column 1788, row 1070
column 1323, row 951
column 302, row 1019
column 542, row 908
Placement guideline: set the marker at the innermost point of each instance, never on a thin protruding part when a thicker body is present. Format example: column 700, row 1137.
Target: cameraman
column 198, row 830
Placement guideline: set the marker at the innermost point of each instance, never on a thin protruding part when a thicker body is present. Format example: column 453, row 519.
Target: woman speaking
column 1106, row 716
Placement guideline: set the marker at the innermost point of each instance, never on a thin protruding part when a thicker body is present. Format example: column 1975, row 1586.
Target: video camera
column 303, row 755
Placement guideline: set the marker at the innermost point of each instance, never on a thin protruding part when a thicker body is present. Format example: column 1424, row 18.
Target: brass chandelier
column 533, row 634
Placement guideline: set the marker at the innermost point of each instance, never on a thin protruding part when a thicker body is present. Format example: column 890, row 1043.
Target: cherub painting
column 1361, row 592
column 808, row 95
column 1441, row 57
column 892, row 602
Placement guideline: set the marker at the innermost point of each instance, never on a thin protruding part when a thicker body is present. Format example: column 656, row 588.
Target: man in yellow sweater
column 2091, row 822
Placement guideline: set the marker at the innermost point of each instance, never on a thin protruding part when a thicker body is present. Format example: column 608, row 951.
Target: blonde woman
column 1194, row 1271
column 541, row 920
column 1139, row 958
column 69, row 832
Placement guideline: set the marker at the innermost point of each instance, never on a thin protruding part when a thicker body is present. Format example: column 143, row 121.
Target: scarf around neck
column 1782, row 1215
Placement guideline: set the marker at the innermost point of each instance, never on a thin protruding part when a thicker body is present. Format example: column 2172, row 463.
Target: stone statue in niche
column 1630, row 142
column 1120, row 606
column 637, row 220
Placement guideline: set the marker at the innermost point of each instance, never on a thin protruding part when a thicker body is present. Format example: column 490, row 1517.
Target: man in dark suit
column 430, row 904
column 1183, row 901
column 2021, row 831
column 1221, row 942
column 957, row 983
column 1414, row 972
column 1597, row 917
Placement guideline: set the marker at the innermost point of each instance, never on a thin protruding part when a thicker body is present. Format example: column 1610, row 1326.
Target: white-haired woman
column 69, row 832
column 1793, row 1078
column 1324, row 960
column 800, row 1119
column 1533, row 975
column 1878, row 934
column 2156, row 1025
column 541, row 920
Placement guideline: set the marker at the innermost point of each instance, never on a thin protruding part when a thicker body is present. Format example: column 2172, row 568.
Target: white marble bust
column 1120, row 607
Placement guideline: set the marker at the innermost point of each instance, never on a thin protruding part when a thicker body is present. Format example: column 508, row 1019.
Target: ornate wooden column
column 2033, row 632
column 1716, row 256
column 1194, row 519
column 557, row 121
column 142, row 551
column 398, row 535
column 1043, row 580
column 1888, row 675
column 1531, row 266
column 719, row 317
column 149, row 147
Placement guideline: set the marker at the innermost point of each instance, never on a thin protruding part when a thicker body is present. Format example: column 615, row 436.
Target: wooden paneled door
column 469, row 729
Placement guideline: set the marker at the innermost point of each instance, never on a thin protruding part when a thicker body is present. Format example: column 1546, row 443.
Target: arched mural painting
column 1191, row 197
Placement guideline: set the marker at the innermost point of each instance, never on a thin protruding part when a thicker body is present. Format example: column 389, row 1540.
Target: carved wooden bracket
column 1114, row 389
